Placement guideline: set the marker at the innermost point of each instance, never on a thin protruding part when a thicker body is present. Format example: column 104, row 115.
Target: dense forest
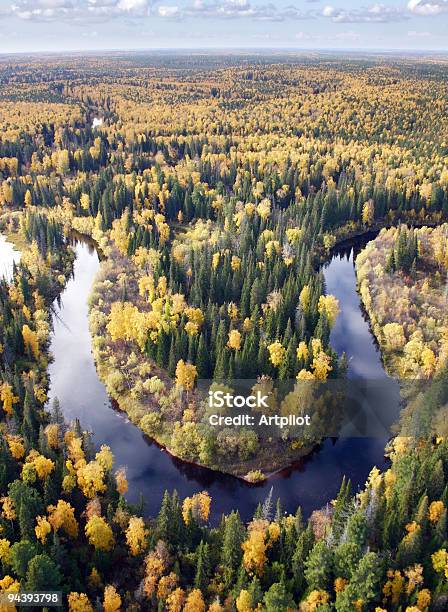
column 403, row 284
column 214, row 190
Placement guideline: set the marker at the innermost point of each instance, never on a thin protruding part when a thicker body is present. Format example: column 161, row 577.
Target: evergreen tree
column 231, row 551
column 202, row 566
column 43, row 574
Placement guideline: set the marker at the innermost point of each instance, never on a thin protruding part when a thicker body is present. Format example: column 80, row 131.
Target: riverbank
column 349, row 234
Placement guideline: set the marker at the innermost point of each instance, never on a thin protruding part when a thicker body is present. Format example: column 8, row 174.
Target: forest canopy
column 214, row 188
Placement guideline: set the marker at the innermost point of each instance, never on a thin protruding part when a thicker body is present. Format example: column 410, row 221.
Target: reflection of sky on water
column 150, row 471
column 351, row 332
column 8, row 256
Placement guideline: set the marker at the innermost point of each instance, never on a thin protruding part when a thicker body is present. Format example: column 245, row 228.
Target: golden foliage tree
column 99, row 533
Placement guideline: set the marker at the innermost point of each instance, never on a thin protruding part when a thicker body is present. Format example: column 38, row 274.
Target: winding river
column 310, row 484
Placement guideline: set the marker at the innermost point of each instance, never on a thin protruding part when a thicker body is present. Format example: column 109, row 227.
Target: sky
column 77, row 25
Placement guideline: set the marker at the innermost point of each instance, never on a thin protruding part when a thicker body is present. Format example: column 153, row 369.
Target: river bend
column 311, row 483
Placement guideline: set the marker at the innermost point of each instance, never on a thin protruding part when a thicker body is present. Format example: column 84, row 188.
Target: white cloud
column 169, row 12
column 375, row 13
column 80, row 11
column 101, row 3
column 428, row 7
column 118, row 8
column 231, row 9
column 239, row 3
column 42, row 10
column 132, row 6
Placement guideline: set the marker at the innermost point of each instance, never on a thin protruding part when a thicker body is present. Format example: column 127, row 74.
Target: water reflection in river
column 8, row 256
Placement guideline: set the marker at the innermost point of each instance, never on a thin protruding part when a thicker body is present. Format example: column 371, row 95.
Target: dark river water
column 310, row 484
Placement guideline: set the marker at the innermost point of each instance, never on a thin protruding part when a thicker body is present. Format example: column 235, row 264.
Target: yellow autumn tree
column 321, row 366
column 195, row 602
column 305, row 298
column 195, row 315
column 423, row 600
column 435, row 511
column 121, row 480
column 8, row 398
column 74, row 447
column 191, row 328
column 16, row 446
column 254, row 552
column 197, row 506
column 277, row 353
column 105, row 457
column 5, row 551
column 85, row 201
column 62, row 516
column 155, row 565
column 136, row 534
column 112, row 599
column 429, row 362
column 62, row 161
column 31, row 340
column 79, row 602
column 167, row 584
column 99, row 533
column 232, row 310
column 175, row 601
column 234, row 341
column 186, row 374
column 52, row 433
column 244, row 602
column 394, row 336
column 314, row 600
column 215, row 260
column 42, row 529
column 235, row 263
column 368, row 212
column 330, row 305
column 91, row 479
column 28, row 200
column 43, row 466
column 8, row 508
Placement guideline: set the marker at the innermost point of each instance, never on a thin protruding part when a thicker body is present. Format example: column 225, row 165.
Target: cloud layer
column 375, row 13
column 428, row 7
column 79, row 10
column 233, row 9
column 88, row 11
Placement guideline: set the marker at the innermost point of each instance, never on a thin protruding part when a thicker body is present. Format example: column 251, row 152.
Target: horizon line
column 233, row 49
